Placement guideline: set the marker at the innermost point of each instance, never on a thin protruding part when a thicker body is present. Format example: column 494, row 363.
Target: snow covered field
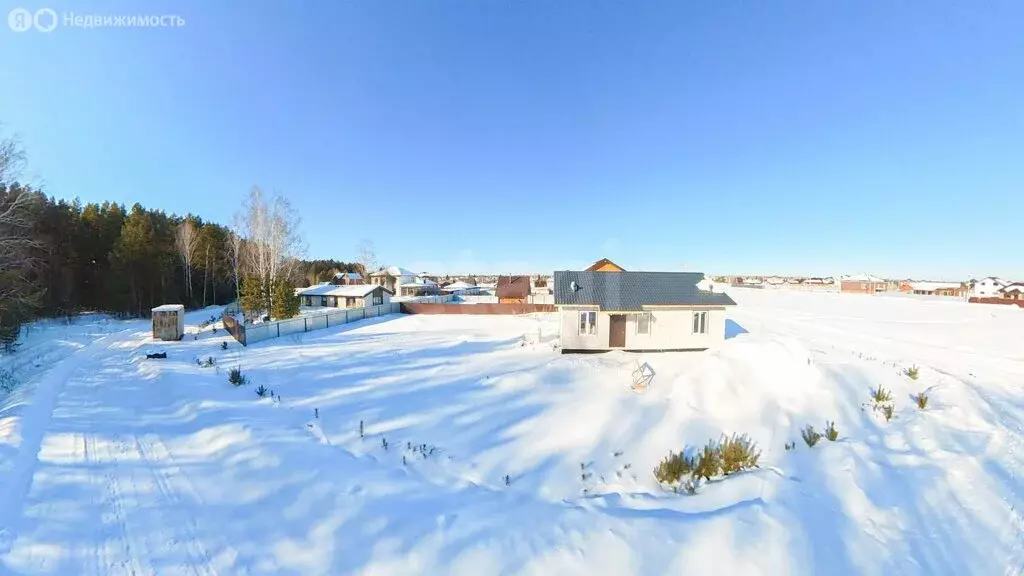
column 114, row 464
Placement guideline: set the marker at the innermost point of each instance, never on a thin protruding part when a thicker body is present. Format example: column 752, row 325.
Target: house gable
column 605, row 265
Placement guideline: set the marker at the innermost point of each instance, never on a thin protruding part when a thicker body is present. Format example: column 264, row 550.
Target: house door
column 617, row 331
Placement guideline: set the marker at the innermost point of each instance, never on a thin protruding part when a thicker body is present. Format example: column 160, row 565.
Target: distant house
column 863, row 284
column 351, row 296
column 460, row 287
column 1013, row 291
column 989, row 287
column 402, row 282
column 347, row 279
column 513, row 289
column 605, row 265
column 774, row 281
column 638, row 311
column 933, row 288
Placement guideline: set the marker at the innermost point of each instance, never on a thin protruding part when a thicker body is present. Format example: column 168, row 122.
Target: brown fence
column 1009, row 301
column 234, row 328
column 509, row 309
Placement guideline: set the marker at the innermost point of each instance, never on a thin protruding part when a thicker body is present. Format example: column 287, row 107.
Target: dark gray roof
column 633, row 290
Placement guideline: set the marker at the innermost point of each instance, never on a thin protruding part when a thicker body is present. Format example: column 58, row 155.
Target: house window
column 350, row 302
column 588, row 322
column 643, row 323
column 323, row 300
column 378, row 299
column 700, row 322
column 309, row 300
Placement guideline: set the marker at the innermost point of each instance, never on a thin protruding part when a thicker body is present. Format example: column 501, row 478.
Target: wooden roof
column 605, row 265
column 513, row 287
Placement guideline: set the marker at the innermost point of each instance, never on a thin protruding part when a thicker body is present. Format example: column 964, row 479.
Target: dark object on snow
column 156, row 355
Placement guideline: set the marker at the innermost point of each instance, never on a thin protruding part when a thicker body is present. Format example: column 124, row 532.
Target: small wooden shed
column 169, row 322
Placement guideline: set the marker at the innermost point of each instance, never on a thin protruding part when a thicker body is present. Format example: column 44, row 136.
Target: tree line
column 61, row 258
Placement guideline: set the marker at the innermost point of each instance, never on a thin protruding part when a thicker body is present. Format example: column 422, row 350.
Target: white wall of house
column 987, row 288
column 670, row 329
column 342, row 301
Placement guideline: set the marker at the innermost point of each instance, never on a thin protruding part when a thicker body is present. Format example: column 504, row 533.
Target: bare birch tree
column 273, row 243
column 17, row 206
column 186, row 240
column 366, row 257
column 235, row 257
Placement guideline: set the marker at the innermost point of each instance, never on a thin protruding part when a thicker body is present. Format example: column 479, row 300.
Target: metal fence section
column 477, row 299
column 251, row 333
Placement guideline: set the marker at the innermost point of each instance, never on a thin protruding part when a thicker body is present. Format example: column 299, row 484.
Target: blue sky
column 816, row 137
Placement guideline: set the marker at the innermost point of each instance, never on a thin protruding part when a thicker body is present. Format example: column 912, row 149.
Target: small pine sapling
column 912, row 372
column 223, row 345
column 360, row 428
column 236, row 377
column 830, row 431
column 790, row 445
column 922, row 400
column 810, row 436
column 261, row 391
column 384, row 442
column 880, row 395
column 508, row 480
column 403, row 459
column 316, row 413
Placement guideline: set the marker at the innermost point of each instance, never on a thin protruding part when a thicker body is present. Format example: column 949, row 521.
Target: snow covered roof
column 460, row 285
column 395, row 271
column 349, row 275
column 352, row 290
column 997, row 281
column 863, row 278
column 170, row 308
column 932, row 286
column 1015, row 287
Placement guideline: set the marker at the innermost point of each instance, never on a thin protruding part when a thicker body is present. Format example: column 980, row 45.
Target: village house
column 863, row 284
column 347, row 279
column 351, row 296
column 513, row 289
column 987, row 287
column 402, row 282
column 653, row 311
column 1013, row 291
column 933, row 288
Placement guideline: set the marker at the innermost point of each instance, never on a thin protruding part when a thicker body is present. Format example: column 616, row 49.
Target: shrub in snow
column 738, row 453
column 790, row 445
column 709, row 462
column 223, row 345
column 209, row 362
column 673, row 468
column 360, row 428
column 922, row 400
column 810, row 436
column 830, row 431
column 881, row 395
column 261, row 391
column 384, row 443
column 887, row 411
column 7, row 381
column 508, row 480
column 235, row 377
column 911, row 372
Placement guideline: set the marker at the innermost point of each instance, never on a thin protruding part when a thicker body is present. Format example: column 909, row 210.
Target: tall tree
column 366, row 256
column 185, row 240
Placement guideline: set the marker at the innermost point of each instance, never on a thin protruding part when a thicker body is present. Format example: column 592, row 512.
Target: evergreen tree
column 254, row 302
column 285, row 302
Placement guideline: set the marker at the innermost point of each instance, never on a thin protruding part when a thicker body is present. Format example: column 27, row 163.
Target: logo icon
column 20, row 20
column 44, row 24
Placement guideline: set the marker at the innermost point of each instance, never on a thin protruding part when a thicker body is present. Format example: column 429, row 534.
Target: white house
column 460, row 287
column 987, row 287
column 403, row 282
column 638, row 310
column 351, row 296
